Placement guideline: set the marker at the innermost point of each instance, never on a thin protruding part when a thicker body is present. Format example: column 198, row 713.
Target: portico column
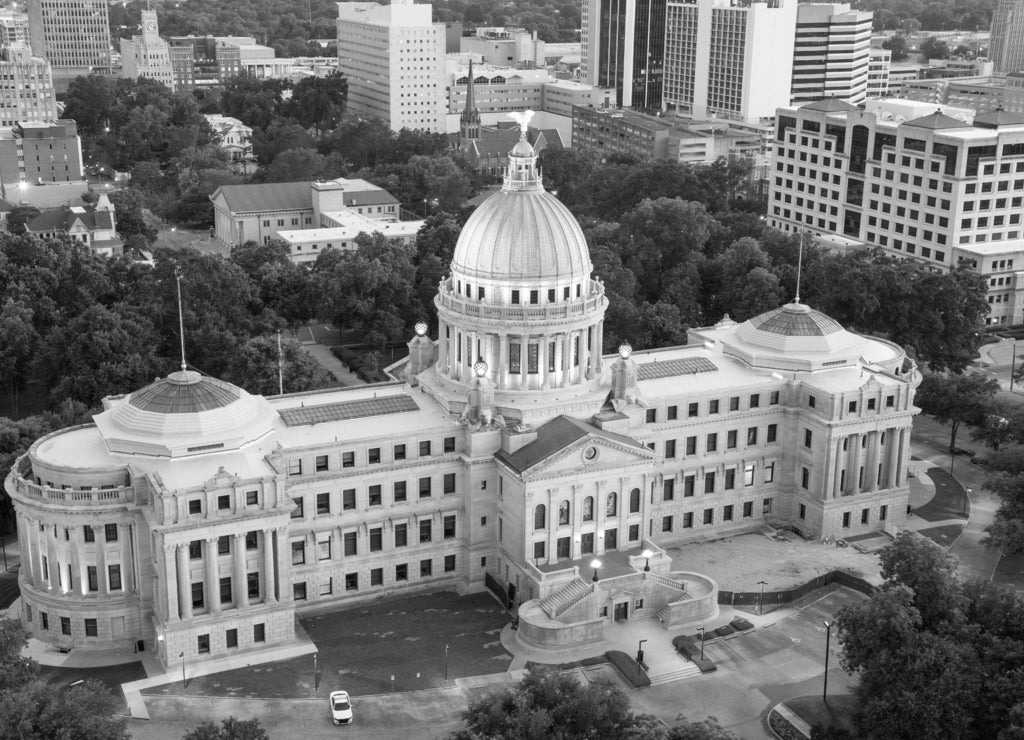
column 124, row 536
column 542, row 362
column 594, row 352
column 827, row 491
column 239, row 584
column 442, row 348
column 524, row 358
column 77, row 566
column 564, row 343
column 212, row 576
column 52, row 565
column 901, row 463
column 184, row 582
column 99, row 535
column 584, row 354
column 837, row 480
column 167, row 568
column 871, row 465
column 598, row 346
column 24, row 536
column 283, row 565
column 502, row 361
column 269, row 587
column 892, row 449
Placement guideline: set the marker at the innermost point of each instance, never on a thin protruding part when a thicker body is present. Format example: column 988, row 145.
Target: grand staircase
column 561, row 601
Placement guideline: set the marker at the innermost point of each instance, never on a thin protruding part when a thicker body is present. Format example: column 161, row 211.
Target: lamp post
column 828, row 639
column 446, row 662
column 183, row 681
column 701, row 631
column 640, row 652
column 760, row 604
column 595, row 564
column 314, row 674
column 647, row 554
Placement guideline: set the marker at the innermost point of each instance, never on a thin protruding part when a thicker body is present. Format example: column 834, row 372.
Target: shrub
column 724, row 630
column 630, row 671
column 741, row 625
column 685, row 646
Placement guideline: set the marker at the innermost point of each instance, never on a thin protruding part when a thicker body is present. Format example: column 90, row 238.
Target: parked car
column 341, row 708
column 964, row 451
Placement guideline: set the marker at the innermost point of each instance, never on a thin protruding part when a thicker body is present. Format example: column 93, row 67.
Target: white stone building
column 147, row 55
column 201, row 519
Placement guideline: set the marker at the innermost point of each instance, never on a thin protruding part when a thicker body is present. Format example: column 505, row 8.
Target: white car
column 341, row 708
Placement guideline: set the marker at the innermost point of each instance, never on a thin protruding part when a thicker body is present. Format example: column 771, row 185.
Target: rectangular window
column 90, row 533
column 709, row 516
column 449, row 563
column 666, row 524
column 252, row 582
column 225, row 590
column 748, row 474
column 65, row 625
column 864, row 513
column 94, row 583
column 688, row 482
column 709, row 482
column 299, row 552
column 321, row 463
column 691, row 410
column 734, row 403
column 351, row 581
column 769, row 472
column 691, row 445
column 811, row 401
column 766, row 506
column 730, row 439
column 670, row 448
column 198, row 590
column 772, row 431
column 883, row 512
column 399, row 491
column 426, row 568
column 195, row 549
column 425, row 448
column 323, row 548
column 808, row 436
column 349, row 540
column 449, row 482
column 377, row 577
column 297, row 511
column 373, row 455
column 748, row 508
column 348, row 459
column 803, row 511
column 713, row 407
column 252, row 498
column 348, row 499
column 449, row 444
column 374, row 495
column 195, row 506
column 751, row 436
column 224, row 544
column 399, row 452
column 449, row 527
column 730, row 479
column 673, row 413
column 223, row 502
column 402, row 572
column 846, row 519
column 425, row 530
column 651, row 416
column 299, row 591
column 323, row 503
column 401, row 535
column 259, row 632
column 727, row 513
column 424, row 487
column 805, row 478
column 327, row 587
column 755, row 400
column 712, row 442
column 376, row 539
column 295, row 466
column 114, row 576
column 669, row 489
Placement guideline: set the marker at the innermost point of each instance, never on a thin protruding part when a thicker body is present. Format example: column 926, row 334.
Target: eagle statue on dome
column 523, row 119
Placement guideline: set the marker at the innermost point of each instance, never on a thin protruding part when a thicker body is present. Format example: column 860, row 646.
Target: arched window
column 563, row 512
column 634, row 501
column 588, row 509
column 611, row 504
column 540, row 516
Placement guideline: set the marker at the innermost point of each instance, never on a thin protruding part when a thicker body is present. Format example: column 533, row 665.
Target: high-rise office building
column 832, row 52
column 728, row 58
column 879, row 61
column 1006, row 47
column 393, row 57
column 26, row 87
column 13, row 28
column 623, row 48
column 72, row 35
column 147, row 55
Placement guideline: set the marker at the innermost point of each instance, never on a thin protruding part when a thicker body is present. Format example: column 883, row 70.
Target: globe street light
column 760, row 605
column 701, row 631
column 595, row 564
column 647, row 554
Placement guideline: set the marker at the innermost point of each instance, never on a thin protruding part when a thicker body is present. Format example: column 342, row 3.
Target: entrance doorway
column 587, row 543
column 563, row 548
column 610, row 539
column 622, row 611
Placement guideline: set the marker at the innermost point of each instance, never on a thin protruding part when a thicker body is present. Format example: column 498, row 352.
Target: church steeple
column 469, row 121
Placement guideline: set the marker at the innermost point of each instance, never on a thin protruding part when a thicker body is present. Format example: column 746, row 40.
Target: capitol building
column 510, row 453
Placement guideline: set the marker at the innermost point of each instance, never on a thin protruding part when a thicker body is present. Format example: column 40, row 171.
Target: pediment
column 590, row 453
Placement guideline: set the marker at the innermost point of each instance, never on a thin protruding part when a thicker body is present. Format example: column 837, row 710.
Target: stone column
column 167, row 568
column 212, row 575
column 239, row 583
column 542, row 361
column 184, row 582
column 24, row 536
column 584, row 354
column 524, row 359
column 837, row 479
column 99, row 534
column 77, row 564
column 871, row 463
column 442, row 348
column 283, row 565
column 269, row 585
column 502, row 375
column 52, row 565
column 903, row 456
column 124, row 536
column 599, row 345
column 892, row 451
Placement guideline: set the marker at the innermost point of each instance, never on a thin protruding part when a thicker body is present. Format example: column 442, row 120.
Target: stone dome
column 522, row 236
column 185, row 413
column 795, row 337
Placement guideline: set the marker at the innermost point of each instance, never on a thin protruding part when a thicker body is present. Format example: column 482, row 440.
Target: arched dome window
column 540, row 516
column 588, row 509
column 634, row 500
column 611, row 504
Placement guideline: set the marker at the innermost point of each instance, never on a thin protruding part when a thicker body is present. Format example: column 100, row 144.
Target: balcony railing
column 77, row 496
column 571, row 309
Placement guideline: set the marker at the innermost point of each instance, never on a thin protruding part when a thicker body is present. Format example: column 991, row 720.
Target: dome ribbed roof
column 522, row 236
column 184, row 392
column 796, row 320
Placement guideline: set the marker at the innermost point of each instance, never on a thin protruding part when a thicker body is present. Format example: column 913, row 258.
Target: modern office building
column 200, row 519
column 878, row 73
column 14, row 28
column 505, row 47
column 147, row 55
column 831, row 54
column 26, row 87
column 623, row 45
column 1006, row 45
column 207, row 62
column 393, row 57
column 72, row 35
column 729, row 59
column 40, row 153
column 899, row 175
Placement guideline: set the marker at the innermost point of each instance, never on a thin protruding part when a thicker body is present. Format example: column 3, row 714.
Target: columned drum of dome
column 520, row 295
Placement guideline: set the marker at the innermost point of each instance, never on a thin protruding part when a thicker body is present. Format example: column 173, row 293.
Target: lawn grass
column 837, row 713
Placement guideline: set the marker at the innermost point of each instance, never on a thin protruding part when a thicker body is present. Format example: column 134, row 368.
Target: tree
column 19, row 337
column 229, row 729
column 19, row 216
column 898, row 46
column 318, row 102
column 930, row 572
column 1007, row 531
column 130, row 220
column 933, row 48
column 956, row 399
column 254, row 367
column 15, row 671
column 84, row 712
column 295, row 165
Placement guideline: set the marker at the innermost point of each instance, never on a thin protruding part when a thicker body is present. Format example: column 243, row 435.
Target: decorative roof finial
column 181, row 321
column 799, row 267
